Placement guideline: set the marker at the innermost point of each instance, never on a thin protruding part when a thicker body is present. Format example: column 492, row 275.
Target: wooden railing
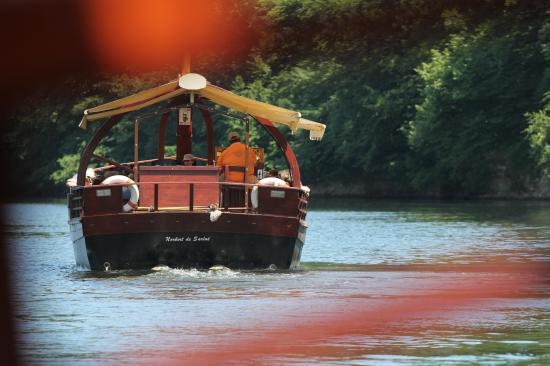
column 190, row 196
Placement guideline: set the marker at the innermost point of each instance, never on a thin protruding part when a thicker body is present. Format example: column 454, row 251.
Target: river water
column 381, row 283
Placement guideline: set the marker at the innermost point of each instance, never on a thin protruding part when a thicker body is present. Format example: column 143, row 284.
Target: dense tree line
column 423, row 97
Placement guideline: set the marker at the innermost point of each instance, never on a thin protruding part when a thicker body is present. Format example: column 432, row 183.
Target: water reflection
column 426, row 232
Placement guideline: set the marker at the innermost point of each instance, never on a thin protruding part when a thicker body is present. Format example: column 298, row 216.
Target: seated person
column 273, row 178
column 89, row 180
column 190, row 160
column 234, row 156
column 272, row 173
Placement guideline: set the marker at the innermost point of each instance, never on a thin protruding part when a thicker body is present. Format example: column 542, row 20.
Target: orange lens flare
column 144, row 35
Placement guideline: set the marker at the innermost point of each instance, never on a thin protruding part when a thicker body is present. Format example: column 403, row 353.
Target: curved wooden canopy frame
column 287, row 151
column 282, row 143
column 86, row 155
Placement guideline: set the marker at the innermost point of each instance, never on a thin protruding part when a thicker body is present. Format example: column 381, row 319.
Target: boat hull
column 191, row 245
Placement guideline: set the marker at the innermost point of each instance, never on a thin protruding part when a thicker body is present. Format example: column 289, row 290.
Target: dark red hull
column 187, row 240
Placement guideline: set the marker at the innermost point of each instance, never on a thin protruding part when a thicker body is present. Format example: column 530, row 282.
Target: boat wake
column 213, row 272
column 222, row 273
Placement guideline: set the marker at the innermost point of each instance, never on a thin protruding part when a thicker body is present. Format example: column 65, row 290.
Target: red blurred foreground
column 356, row 316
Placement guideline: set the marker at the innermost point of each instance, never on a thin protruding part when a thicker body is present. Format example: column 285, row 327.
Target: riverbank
column 501, row 189
column 343, row 192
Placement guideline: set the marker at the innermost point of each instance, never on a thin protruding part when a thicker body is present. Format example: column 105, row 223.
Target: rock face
column 510, row 188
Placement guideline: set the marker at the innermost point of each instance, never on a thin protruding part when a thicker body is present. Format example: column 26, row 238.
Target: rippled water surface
column 381, row 283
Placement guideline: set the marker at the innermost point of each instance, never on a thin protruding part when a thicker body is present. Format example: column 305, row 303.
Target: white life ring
column 273, row 181
column 270, row 181
column 132, row 204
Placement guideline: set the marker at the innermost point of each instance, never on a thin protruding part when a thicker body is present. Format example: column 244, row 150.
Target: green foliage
column 69, row 166
column 476, row 90
column 432, row 99
column 170, row 150
column 538, row 133
column 538, row 130
column 423, row 96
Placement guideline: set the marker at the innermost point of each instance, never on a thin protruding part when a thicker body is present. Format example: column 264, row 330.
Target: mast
column 185, row 64
column 184, row 130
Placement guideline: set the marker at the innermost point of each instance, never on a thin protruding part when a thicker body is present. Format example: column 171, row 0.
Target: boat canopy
column 197, row 85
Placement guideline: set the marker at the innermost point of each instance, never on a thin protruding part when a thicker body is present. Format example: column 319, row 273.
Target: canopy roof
column 194, row 83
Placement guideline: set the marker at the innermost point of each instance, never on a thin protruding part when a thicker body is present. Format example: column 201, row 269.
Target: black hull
column 187, row 250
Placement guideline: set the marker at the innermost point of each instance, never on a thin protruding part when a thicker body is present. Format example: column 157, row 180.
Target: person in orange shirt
column 234, row 157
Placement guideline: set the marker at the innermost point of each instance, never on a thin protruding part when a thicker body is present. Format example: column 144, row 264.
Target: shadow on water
column 85, row 274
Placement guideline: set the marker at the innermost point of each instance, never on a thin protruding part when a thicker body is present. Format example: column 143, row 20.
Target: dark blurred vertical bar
column 43, row 42
column 7, row 328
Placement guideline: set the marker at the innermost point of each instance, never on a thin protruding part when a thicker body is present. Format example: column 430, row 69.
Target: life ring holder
column 270, row 181
column 132, row 204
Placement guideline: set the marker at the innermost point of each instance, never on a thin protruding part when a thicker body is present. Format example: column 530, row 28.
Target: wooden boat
column 187, row 216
